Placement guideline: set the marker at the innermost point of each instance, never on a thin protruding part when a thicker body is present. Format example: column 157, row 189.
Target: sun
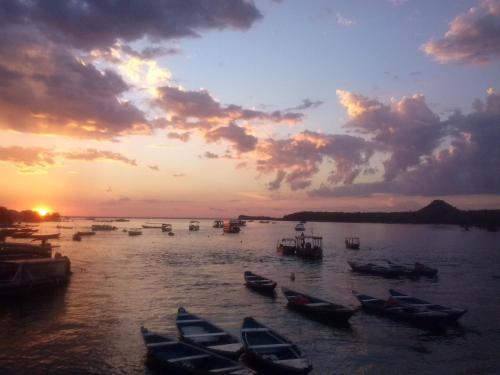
column 42, row 211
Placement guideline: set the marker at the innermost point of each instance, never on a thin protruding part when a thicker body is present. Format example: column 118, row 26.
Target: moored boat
column 176, row 355
column 166, row 228
column 218, row 224
column 318, row 308
column 45, row 237
column 352, row 243
column 374, row 270
column 259, row 283
column 392, row 308
column 22, row 276
column 134, row 232
column 406, row 300
column 309, row 247
column 102, row 227
column 287, row 246
column 194, row 225
column 270, row 351
column 201, row 332
column 300, row 227
column 16, row 250
column 231, row 226
column 152, row 226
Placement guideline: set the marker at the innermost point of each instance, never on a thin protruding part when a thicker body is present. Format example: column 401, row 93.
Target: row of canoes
column 205, row 348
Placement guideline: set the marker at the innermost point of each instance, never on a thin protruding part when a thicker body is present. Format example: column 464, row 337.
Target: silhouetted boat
column 152, row 226
column 86, row 233
column 174, row 355
column 405, row 300
column 287, row 246
column 122, row 220
column 103, row 227
column 77, row 237
column 63, row 227
column 259, row 283
column 28, row 275
column 231, row 226
column 218, row 224
column 134, row 232
column 45, row 237
column 194, row 225
column 416, row 270
column 16, row 250
column 166, row 228
column 309, row 247
column 352, row 243
column 300, row 227
column 201, row 332
column 270, row 351
column 317, row 307
column 374, row 269
column 394, row 309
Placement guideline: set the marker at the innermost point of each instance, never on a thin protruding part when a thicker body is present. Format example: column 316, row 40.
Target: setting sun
column 42, row 211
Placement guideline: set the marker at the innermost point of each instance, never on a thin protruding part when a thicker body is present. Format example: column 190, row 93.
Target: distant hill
column 437, row 212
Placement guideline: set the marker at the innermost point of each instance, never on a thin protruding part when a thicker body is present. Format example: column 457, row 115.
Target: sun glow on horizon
column 42, row 210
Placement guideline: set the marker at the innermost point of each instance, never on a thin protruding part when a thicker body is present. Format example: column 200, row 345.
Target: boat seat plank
column 224, row 369
column 255, row 330
column 318, row 304
column 207, row 334
column 189, row 358
column 160, row 344
column 297, row 363
column 226, row 347
column 189, row 320
column 266, row 346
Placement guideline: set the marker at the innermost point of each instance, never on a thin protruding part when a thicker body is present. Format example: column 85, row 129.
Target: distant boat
column 152, row 226
column 270, row 351
column 16, row 250
column 264, row 221
column 63, row 227
column 103, row 227
column 77, row 237
column 352, row 243
column 86, row 233
column 44, row 237
column 194, row 225
column 318, row 308
column 122, row 220
column 174, row 355
column 134, row 232
column 166, row 228
column 171, row 234
column 218, row 224
column 393, row 270
column 300, row 227
column 28, row 275
column 259, row 283
column 309, row 247
column 231, row 226
column 201, row 332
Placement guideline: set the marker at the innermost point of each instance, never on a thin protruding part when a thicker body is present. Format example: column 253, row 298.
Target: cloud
column 237, row 135
column 297, row 159
column 28, row 160
column 407, row 129
column 53, row 54
column 92, row 154
column 178, row 175
column 306, row 104
column 465, row 163
column 184, row 137
column 344, row 21
column 210, row 155
column 154, row 167
column 472, row 37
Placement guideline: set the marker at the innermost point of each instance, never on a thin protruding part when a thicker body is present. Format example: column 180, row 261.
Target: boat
column 264, row 221
column 300, row 227
column 194, row 225
column 392, row 308
column 122, row 220
column 415, row 270
column 352, row 243
column 309, row 247
column 16, row 250
column 271, row 351
column 318, row 308
column 171, row 234
column 86, row 233
column 287, row 246
column 77, row 237
column 218, row 224
column 259, row 283
column 152, row 226
column 134, row 232
column 201, row 332
column 241, row 223
column 23, row 276
column 178, row 356
column 405, row 300
column 63, row 227
column 166, row 227
column 375, row 270
column 231, row 226
column 103, row 227
column 45, row 237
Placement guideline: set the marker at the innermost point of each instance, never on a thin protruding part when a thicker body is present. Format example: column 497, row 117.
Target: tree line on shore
column 8, row 216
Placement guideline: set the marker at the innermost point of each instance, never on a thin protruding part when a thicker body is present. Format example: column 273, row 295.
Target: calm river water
column 121, row 282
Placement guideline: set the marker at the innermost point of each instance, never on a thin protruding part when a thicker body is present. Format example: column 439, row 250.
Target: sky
column 197, row 108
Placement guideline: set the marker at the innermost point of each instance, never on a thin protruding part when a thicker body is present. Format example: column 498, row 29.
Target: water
column 121, row 282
